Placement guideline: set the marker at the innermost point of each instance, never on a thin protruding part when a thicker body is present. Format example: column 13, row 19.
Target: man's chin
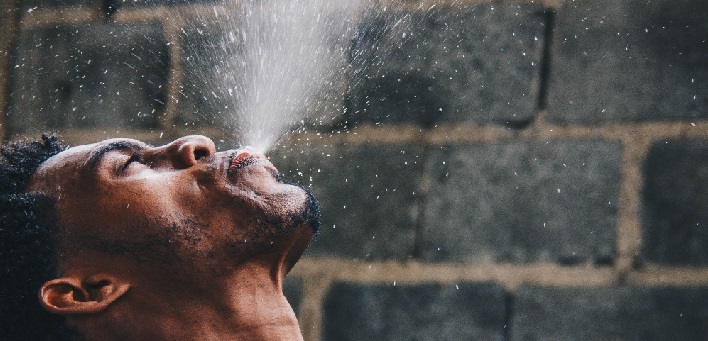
column 309, row 215
column 285, row 230
column 304, row 226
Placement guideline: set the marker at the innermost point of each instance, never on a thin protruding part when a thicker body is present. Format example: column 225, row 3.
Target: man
column 124, row 241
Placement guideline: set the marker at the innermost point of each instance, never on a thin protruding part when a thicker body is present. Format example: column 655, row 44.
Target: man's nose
column 184, row 152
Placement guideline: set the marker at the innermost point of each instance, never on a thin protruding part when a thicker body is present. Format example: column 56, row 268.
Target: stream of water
column 282, row 63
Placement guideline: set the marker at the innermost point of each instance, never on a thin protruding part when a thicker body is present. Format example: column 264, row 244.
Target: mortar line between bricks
column 628, row 233
column 163, row 15
column 174, row 76
column 511, row 276
column 413, row 272
column 44, row 17
column 405, row 134
column 315, row 288
column 617, row 131
column 662, row 275
column 553, row 3
column 49, row 17
column 7, row 44
column 444, row 134
column 426, row 5
column 169, row 13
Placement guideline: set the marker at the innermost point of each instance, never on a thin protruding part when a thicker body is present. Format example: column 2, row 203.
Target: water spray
column 291, row 52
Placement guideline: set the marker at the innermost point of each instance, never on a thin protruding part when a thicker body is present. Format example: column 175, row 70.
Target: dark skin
column 176, row 242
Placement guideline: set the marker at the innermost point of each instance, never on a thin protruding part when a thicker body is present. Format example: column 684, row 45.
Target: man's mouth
column 244, row 158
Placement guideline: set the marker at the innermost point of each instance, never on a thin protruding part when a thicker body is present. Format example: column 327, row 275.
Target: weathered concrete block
column 475, row 64
column 369, row 197
column 415, row 312
column 629, row 60
column 522, row 202
column 627, row 313
column 92, row 76
column 675, row 224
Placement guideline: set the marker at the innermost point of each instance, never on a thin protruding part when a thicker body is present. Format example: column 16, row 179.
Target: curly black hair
column 28, row 252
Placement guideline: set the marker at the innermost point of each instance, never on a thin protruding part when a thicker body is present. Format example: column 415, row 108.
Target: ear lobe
column 69, row 295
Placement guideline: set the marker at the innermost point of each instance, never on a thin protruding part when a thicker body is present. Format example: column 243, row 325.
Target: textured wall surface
column 494, row 170
column 89, row 76
column 629, row 60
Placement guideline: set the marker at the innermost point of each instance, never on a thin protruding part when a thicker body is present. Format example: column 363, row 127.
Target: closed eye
column 133, row 158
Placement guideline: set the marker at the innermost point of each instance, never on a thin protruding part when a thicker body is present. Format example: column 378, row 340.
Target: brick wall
column 514, row 170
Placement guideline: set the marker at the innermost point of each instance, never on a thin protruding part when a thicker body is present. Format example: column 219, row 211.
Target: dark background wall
column 499, row 170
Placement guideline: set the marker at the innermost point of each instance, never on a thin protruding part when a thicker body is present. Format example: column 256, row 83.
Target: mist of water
column 282, row 61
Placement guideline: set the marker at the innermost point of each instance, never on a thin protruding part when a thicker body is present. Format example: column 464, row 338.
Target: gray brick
column 368, row 194
column 629, row 60
column 675, row 200
column 449, row 64
column 628, row 313
column 415, row 312
column 292, row 289
column 522, row 202
column 93, row 76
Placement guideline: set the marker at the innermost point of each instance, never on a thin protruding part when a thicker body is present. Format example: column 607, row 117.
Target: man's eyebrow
column 96, row 156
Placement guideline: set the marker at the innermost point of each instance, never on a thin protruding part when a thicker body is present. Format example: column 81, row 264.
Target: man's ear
column 71, row 295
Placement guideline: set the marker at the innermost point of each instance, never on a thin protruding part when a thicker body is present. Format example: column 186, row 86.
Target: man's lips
column 246, row 157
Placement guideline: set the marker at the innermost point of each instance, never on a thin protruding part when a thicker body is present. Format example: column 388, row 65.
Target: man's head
column 173, row 218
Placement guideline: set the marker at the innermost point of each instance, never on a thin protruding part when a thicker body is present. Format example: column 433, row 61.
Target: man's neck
column 247, row 305
column 259, row 307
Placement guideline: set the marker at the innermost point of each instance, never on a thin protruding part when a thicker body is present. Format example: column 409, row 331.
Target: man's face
column 181, row 203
